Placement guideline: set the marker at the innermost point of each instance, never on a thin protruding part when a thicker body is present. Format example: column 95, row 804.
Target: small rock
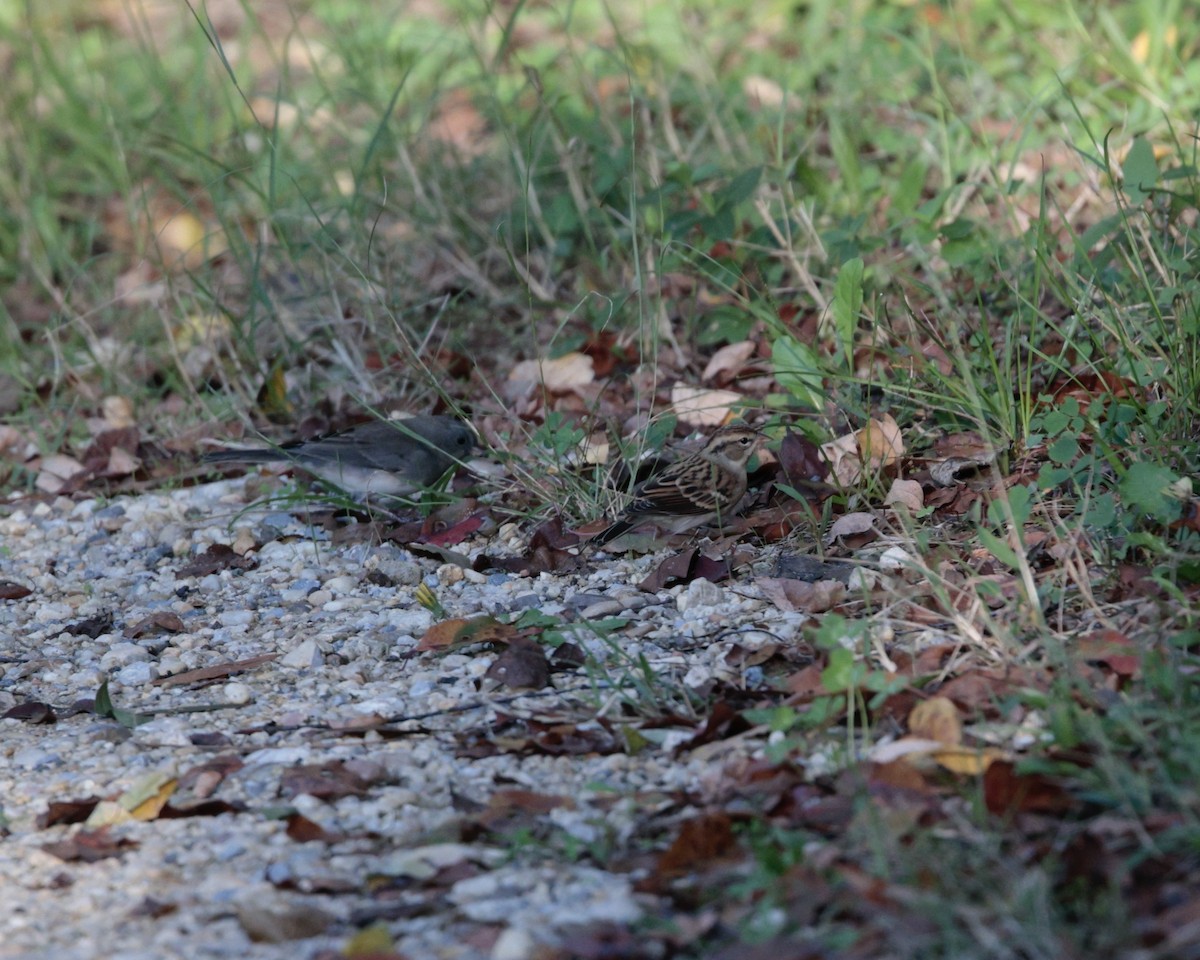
column 862, row 578
column 605, row 608
column 237, row 693
column 700, row 593
column 449, row 573
column 244, row 542
column 122, row 654
column 896, row 558
column 343, row 584
column 166, row 731
column 514, row 943
column 136, row 674
column 305, row 656
column 279, row 922
column 33, row 758
column 235, row 618
column 106, row 731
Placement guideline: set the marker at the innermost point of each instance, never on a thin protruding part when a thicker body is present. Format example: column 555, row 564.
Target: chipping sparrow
column 701, row 487
column 382, row 458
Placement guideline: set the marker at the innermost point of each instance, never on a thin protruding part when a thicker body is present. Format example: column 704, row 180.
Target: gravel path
column 397, row 813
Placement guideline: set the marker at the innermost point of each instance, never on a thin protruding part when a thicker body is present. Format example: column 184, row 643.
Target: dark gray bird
column 380, row 458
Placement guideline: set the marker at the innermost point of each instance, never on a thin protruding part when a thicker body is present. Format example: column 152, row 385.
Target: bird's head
column 733, row 444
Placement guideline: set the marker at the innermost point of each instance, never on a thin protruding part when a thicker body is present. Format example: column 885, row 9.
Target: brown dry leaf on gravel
column 217, row 557
column 699, row 843
column 161, row 621
column 800, row 595
column 853, row 530
column 218, row 671
column 31, row 711
column 521, row 666
column 13, row 591
column 331, row 780
column 88, row 846
column 688, row 565
column 462, row 631
column 56, row 470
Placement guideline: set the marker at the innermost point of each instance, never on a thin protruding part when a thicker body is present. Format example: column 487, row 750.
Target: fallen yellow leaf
column 936, row 719
column 964, row 760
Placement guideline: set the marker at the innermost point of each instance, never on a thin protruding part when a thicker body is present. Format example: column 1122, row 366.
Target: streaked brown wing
column 680, row 491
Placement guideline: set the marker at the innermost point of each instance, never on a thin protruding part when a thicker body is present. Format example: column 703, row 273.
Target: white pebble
column 237, row 693
column 700, row 593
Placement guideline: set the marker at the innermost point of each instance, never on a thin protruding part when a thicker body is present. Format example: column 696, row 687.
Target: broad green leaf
column 839, row 675
column 1148, row 488
column 1140, row 171
column 999, row 549
column 1019, row 503
column 798, row 370
column 740, row 188
column 104, row 707
column 847, row 304
column 1063, row 450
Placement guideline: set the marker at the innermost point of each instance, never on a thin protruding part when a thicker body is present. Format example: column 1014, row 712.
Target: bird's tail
column 235, row 455
column 611, row 533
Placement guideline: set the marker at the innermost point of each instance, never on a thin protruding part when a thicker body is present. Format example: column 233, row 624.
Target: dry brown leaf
column 959, row 454
column 118, row 413
column 880, row 442
column 461, row 631
column 88, row 846
column 875, row 446
column 458, row 123
column 852, row 525
column 56, row 470
column 161, row 621
column 216, row 672
column 13, row 591
column 565, row 374
column 698, row 407
column 1006, row 792
column 700, row 841
column 842, row 456
column 522, row 665
column 121, row 463
column 798, row 595
column 906, row 493
column 729, row 360
column 761, row 91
